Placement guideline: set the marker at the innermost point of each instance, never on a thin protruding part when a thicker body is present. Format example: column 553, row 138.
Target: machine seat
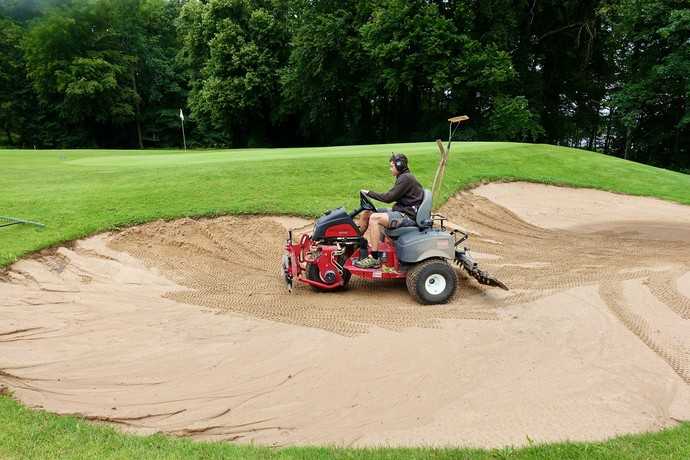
column 423, row 219
column 396, row 232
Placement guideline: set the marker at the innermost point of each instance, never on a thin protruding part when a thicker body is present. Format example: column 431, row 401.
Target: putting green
column 81, row 192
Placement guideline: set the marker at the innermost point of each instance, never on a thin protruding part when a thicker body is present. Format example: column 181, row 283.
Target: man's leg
column 376, row 221
column 373, row 236
column 363, row 224
column 363, row 221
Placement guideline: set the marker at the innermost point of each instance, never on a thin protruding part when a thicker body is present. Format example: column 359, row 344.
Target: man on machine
column 407, row 193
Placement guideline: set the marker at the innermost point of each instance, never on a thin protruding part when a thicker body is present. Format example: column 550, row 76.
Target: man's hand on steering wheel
column 365, row 204
column 364, row 201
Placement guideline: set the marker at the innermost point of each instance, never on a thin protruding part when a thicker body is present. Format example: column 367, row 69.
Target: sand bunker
column 185, row 328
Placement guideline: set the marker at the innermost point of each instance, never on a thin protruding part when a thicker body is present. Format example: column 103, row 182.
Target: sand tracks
column 185, row 328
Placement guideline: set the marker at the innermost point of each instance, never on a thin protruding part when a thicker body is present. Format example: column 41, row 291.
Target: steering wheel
column 365, row 203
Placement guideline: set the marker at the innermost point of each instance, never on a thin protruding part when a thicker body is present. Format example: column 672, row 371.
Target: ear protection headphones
column 400, row 161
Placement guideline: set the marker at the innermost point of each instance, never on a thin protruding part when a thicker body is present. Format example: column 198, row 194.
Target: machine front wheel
column 313, row 274
column 432, row 281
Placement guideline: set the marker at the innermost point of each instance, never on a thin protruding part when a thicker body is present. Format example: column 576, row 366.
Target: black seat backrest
column 424, row 211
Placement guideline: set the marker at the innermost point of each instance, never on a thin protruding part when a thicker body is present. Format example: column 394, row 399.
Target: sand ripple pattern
column 536, row 262
column 233, row 264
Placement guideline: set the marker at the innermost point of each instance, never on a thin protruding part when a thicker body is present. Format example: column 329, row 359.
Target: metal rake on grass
column 6, row 221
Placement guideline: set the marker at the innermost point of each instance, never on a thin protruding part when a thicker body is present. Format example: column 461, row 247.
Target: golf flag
column 184, row 140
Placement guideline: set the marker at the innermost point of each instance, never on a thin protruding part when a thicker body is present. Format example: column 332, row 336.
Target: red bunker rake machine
column 421, row 253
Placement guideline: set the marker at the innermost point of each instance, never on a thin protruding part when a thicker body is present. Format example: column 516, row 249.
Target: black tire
column 422, row 277
column 313, row 275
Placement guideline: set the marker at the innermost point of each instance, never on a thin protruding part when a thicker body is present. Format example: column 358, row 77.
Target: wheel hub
column 435, row 284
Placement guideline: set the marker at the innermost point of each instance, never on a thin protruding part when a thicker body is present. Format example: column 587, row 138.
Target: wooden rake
column 453, row 124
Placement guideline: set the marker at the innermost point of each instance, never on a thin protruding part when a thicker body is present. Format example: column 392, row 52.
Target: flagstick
column 184, row 140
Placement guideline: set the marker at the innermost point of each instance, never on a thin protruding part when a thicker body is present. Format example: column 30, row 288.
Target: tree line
column 605, row 75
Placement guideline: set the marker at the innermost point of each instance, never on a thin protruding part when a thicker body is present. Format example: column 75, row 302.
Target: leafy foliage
column 607, row 75
column 14, row 87
column 653, row 96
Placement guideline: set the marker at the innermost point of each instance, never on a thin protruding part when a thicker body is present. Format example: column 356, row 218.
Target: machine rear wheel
column 432, row 282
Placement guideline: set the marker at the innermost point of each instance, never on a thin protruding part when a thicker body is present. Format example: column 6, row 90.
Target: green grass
column 81, row 192
column 78, row 193
column 37, row 434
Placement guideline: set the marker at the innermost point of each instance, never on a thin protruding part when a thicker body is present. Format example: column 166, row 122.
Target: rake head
column 6, row 221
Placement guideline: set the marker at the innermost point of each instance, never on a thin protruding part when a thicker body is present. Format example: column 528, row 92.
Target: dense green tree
column 101, row 68
column 608, row 75
column 429, row 62
column 562, row 61
column 79, row 72
column 24, row 10
column 145, row 31
column 325, row 80
column 13, row 84
column 651, row 99
column 512, row 119
column 413, row 51
column 238, row 47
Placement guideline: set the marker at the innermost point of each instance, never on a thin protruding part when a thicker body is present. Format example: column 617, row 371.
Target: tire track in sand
column 231, row 264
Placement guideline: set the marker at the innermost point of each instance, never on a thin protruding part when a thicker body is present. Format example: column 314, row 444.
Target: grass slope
column 38, row 435
column 77, row 193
